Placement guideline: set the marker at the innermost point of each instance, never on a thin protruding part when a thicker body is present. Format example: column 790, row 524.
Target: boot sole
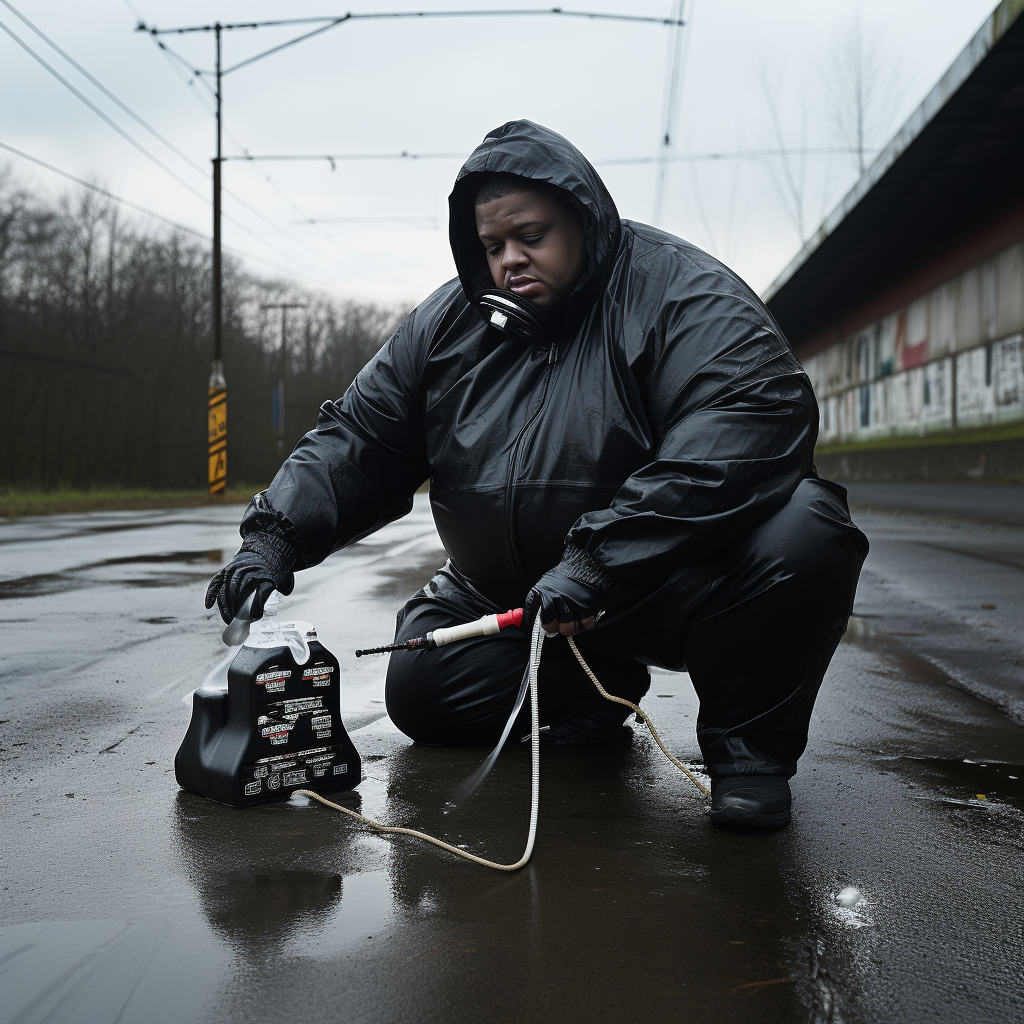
column 742, row 819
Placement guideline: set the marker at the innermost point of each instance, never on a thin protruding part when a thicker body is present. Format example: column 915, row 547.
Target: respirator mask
column 515, row 316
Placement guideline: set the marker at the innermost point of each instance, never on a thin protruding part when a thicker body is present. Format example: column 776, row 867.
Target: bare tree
column 788, row 169
column 863, row 83
column 105, row 340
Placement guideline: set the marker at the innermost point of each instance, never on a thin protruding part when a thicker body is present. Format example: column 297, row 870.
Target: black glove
column 261, row 566
column 571, row 592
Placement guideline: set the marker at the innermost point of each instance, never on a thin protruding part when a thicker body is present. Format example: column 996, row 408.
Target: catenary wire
column 106, row 92
column 742, row 154
column 96, row 110
column 671, row 100
column 167, row 220
column 159, row 163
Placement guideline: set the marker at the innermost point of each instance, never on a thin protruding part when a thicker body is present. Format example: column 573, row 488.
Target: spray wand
column 487, row 626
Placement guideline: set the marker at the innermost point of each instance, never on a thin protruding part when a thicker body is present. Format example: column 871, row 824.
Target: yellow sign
column 217, row 421
column 217, row 430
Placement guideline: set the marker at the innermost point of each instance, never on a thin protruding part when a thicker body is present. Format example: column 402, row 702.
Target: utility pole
column 217, row 421
column 278, row 405
column 217, row 416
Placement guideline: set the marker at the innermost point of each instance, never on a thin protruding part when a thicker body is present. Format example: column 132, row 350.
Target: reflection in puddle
column 212, row 556
column 400, row 584
column 256, row 911
column 257, row 900
column 967, row 781
column 98, row 573
column 858, row 629
column 366, row 912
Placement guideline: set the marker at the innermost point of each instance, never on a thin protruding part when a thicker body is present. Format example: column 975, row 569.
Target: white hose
column 536, row 640
column 535, row 651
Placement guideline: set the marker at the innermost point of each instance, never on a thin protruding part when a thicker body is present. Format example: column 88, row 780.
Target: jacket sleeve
column 359, row 468
column 735, row 423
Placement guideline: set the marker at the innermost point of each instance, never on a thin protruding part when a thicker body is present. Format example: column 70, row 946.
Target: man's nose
column 513, row 256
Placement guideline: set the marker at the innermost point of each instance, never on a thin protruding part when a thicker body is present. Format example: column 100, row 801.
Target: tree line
column 106, row 342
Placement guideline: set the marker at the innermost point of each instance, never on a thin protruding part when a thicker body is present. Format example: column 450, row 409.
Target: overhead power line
column 331, row 157
column 328, row 22
column 217, row 383
column 92, row 186
column 368, row 220
column 102, row 191
column 741, row 154
column 106, row 92
column 150, row 156
column 99, row 113
column 671, row 104
column 337, row 19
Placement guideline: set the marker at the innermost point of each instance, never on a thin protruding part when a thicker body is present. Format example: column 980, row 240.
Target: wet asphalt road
column 126, row 900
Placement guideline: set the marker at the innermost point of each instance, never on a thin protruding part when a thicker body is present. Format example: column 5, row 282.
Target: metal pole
column 279, row 390
column 280, row 383
column 217, row 418
column 217, row 421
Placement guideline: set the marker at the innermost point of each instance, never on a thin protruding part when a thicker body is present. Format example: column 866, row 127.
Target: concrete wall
column 952, row 358
column 1001, row 460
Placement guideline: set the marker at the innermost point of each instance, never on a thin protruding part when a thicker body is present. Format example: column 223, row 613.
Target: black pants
column 755, row 626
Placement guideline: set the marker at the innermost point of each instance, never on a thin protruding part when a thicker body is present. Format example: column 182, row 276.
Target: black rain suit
column 661, row 438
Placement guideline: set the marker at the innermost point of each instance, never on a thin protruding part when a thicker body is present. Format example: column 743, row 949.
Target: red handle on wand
column 486, row 626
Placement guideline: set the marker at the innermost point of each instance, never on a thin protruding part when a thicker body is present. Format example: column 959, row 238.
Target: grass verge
column 17, row 502
column 984, row 435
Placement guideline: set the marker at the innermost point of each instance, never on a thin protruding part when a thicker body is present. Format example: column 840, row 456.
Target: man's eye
column 493, row 250
column 533, row 239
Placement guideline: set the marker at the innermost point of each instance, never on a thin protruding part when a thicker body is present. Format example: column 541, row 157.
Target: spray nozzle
column 238, row 628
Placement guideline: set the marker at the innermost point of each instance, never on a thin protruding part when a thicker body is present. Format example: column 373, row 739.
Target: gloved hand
column 568, row 597
column 261, row 566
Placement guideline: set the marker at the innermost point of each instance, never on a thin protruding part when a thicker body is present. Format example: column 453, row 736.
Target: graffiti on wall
column 983, row 386
column 950, row 359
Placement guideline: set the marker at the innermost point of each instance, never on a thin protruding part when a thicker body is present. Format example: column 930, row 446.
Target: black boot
column 750, row 803
column 601, row 725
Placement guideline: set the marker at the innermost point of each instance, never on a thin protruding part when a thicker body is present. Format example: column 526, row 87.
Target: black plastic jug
column 276, row 728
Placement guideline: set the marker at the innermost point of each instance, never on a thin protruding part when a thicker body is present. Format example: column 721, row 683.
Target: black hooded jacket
column 667, row 416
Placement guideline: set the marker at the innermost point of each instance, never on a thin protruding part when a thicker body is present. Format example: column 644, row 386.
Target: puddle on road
column 213, row 555
column 972, row 782
column 98, row 574
column 400, row 584
column 133, row 972
column 257, row 910
column 858, row 629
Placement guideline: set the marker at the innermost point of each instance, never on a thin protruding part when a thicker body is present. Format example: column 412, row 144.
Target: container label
column 299, row 706
column 275, row 760
column 278, row 727
column 319, row 674
column 275, row 677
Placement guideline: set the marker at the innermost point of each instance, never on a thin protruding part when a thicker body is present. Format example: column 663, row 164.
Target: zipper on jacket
column 513, row 466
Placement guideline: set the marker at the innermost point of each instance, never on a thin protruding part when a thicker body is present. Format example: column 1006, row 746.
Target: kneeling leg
column 757, row 653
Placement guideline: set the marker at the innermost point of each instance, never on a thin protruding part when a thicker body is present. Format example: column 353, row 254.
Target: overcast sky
column 754, row 75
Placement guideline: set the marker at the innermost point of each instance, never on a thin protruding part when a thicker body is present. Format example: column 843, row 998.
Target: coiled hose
column 536, row 641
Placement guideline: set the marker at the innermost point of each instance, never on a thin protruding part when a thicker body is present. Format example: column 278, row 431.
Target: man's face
column 534, row 245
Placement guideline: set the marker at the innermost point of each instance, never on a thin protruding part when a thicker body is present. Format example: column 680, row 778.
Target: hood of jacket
column 531, row 151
